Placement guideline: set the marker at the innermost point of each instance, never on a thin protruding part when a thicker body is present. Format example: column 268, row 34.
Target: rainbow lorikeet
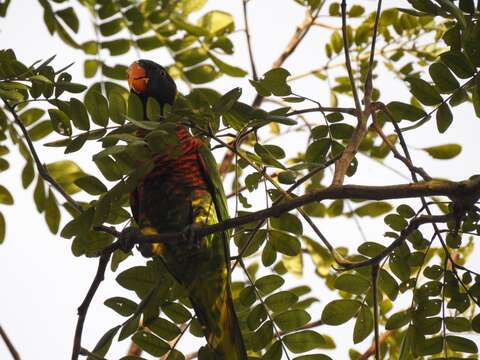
column 180, row 191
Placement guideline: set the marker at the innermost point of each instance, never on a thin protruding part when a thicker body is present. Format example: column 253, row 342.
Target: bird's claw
column 190, row 237
column 127, row 238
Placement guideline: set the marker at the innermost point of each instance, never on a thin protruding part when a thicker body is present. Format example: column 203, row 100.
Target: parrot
column 181, row 191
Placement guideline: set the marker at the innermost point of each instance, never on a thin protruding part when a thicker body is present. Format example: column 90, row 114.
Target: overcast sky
column 43, row 283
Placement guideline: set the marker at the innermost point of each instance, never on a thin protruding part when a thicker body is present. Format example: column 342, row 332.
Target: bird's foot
column 127, row 238
column 191, row 238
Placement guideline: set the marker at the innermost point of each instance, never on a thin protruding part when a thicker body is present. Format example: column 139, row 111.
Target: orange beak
column 137, row 78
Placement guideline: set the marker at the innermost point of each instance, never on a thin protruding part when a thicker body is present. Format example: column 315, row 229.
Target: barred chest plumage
column 163, row 198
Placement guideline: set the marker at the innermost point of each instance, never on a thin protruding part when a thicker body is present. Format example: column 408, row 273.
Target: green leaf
column 217, row 22
column 176, row 312
column 284, row 243
column 396, row 222
column 287, row 222
column 256, row 316
column 405, row 211
column 116, row 47
column 91, row 185
column 269, row 283
column 117, row 107
column 274, row 352
column 476, row 323
column 406, row 347
column 458, row 63
column 79, row 114
column 226, row 68
column 69, row 17
column 129, row 327
column 273, row 82
column 373, row 209
column 121, row 305
column 201, row 74
column 457, row 343
column 52, row 213
column 104, row 343
column 444, row 117
column 351, row 283
column 29, row 116
column 151, row 42
column 135, row 107
column 444, row 152
column 70, row 86
column 370, row 249
column 303, row 341
column 403, row 111
column 28, row 174
column 90, row 68
column 154, row 112
column 443, row 78
column 338, row 312
column 111, row 27
column 60, row 122
column 363, row 325
column 317, row 151
column 398, row 320
column 291, row 319
column 192, row 56
column 424, row 92
column 281, row 301
column 432, row 346
column 5, row 196
column 457, row 324
column 225, row 103
column 65, row 172
column 164, row 328
column 97, row 106
column 150, row 343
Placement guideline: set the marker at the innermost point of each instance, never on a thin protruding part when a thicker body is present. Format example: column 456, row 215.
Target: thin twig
column 296, row 39
column 396, row 153
column 368, row 81
column 9, row 344
column 249, row 42
column 348, row 61
column 83, row 308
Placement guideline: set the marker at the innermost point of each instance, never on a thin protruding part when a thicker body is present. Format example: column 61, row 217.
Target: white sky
column 43, row 283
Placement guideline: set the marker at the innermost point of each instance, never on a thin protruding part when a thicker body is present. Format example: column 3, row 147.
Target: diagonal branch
column 9, row 344
column 42, row 169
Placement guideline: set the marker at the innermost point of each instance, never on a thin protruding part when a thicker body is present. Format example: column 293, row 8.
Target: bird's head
column 148, row 79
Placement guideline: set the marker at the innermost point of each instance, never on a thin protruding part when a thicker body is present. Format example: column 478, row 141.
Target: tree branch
column 83, row 308
column 42, row 170
column 9, row 344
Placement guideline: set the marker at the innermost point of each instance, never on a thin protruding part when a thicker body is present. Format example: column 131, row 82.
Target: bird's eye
column 162, row 72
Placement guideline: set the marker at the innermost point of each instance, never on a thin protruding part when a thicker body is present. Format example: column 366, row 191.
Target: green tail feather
column 220, row 325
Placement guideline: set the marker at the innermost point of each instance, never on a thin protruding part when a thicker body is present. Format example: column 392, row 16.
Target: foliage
column 432, row 48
